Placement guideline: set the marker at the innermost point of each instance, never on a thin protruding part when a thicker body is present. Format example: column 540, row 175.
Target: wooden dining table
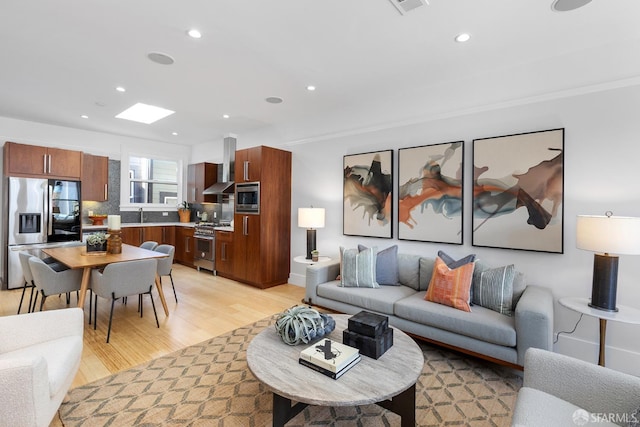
column 77, row 257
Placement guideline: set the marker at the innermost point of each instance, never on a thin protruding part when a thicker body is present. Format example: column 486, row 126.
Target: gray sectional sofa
column 481, row 332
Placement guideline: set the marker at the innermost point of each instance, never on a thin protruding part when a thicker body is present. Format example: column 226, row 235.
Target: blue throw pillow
column 386, row 265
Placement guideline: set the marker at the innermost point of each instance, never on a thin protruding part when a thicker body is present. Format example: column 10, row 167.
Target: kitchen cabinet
column 224, row 253
column 136, row 235
column 200, row 176
column 184, row 246
column 249, row 164
column 35, row 161
column 95, row 178
column 261, row 243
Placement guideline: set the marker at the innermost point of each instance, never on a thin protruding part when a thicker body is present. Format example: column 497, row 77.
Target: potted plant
column 97, row 242
column 184, row 211
column 314, row 255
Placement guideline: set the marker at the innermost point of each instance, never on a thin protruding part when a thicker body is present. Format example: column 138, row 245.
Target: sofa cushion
column 519, row 285
column 494, row 290
column 381, row 299
column 481, row 323
column 386, row 265
column 358, row 268
column 426, row 271
column 537, row 408
column 409, row 270
column 450, row 286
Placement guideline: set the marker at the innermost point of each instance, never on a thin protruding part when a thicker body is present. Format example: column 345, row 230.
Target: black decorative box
column 369, row 346
column 368, row 324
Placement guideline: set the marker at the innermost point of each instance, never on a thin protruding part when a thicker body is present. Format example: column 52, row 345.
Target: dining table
column 76, row 257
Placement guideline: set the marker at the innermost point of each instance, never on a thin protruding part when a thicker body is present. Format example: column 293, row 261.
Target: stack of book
column 329, row 357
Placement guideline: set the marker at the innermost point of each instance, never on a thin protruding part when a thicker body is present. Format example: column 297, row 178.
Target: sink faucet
column 141, row 216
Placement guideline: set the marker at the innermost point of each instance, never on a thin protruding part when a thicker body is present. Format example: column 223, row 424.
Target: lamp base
column 605, row 282
column 311, row 241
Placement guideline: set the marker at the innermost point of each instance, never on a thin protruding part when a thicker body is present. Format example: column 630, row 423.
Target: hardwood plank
column 208, row 306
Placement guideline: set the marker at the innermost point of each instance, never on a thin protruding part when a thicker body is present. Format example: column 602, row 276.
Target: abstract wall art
column 367, row 194
column 430, row 193
column 518, row 191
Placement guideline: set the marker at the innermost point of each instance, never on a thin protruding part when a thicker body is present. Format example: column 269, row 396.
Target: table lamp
column 311, row 218
column 608, row 236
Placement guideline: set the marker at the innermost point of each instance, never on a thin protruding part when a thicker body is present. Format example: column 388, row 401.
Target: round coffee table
column 389, row 381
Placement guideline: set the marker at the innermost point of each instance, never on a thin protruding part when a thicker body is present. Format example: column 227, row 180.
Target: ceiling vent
column 405, row 6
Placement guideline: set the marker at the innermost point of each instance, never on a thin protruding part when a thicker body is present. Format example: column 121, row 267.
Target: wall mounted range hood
column 225, row 184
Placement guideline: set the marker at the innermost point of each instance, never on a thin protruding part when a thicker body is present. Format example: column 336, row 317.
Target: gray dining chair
column 165, row 265
column 28, row 278
column 150, row 244
column 123, row 279
column 49, row 282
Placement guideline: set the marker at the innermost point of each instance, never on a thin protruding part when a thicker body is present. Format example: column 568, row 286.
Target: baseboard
column 297, row 279
column 616, row 358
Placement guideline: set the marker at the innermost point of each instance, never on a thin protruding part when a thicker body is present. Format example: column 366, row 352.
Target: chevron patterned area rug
column 210, row 384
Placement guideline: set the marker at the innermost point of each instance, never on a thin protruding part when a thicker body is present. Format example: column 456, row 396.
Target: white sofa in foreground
column 39, row 357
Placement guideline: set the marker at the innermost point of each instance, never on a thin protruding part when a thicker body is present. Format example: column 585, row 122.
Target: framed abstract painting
column 518, row 191
column 367, row 194
column 430, row 193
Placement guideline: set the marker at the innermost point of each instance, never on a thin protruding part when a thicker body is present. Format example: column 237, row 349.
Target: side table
column 303, row 260
column 624, row 314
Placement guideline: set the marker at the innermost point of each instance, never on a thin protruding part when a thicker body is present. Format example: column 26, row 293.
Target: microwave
column 248, row 198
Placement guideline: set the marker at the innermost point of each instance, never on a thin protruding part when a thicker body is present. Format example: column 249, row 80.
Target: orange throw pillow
column 450, row 287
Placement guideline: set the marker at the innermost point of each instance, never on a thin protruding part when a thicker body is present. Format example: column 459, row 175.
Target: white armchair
column 39, row 357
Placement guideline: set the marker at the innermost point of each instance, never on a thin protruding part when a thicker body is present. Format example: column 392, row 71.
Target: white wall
column 602, row 147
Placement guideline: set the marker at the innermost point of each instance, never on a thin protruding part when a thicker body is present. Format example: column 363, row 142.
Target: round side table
column 303, row 260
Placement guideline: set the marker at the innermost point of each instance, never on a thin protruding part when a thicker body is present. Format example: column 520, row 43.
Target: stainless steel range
column 205, row 251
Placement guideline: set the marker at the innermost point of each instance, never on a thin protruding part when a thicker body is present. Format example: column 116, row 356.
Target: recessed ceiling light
column 84, row 116
column 174, row 133
column 311, row 88
column 274, row 100
column 463, row 37
column 160, row 58
column 144, row 113
column 194, row 34
column 225, row 116
column 120, row 89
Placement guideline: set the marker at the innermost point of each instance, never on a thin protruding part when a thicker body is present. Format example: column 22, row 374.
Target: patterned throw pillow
column 358, row 268
column 450, row 287
column 453, row 264
column 386, row 265
column 494, row 290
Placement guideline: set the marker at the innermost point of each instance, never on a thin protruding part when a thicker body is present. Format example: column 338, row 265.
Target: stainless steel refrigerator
column 41, row 213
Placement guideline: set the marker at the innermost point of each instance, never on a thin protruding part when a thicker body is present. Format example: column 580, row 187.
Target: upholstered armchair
column 39, row 358
column 165, row 264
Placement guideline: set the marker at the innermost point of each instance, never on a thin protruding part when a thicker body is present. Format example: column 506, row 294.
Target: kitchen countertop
column 88, row 227
column 223, row 228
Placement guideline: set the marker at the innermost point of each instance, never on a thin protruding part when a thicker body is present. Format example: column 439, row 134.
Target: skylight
column 144, row 113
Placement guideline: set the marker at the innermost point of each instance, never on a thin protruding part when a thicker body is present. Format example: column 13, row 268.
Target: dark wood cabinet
column 224, row 253
column 261, row 243
column 131, row 235
column 200, row 176
column 249, row 164
column 95, row 178
column 136, row 235
column 35, row 161
column 168, row 235
column 184, row 246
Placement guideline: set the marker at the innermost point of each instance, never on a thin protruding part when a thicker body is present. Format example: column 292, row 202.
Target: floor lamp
column 311, row 218
column 608, row 236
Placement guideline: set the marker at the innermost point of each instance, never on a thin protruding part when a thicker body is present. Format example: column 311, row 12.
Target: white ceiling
column 371, row 65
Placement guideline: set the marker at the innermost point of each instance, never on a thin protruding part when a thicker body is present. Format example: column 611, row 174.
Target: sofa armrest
column 317, row 274
column 24, row 385
column 594, row 388
column 534, row 320
column 23, row 330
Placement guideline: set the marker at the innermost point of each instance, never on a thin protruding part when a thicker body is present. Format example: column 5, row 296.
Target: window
column 153, row 181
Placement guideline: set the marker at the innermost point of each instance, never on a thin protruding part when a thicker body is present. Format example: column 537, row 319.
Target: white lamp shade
column 608, row 234
column 311, row 217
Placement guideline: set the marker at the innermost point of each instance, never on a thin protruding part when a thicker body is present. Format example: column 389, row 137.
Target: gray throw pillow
column 358, row 268
column 386, row 265
column 494, row 290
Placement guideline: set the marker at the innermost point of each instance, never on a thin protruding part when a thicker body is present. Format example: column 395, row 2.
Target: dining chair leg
column 95, row 307
column 90, row 305
column 35, row 301
column 174, row 288
column 154, row 308
column 113, row 302
column 33, row 288
column 140, row 304
column 44, row 297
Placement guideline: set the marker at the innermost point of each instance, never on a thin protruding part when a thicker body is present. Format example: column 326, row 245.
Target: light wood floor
column 207, row 306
